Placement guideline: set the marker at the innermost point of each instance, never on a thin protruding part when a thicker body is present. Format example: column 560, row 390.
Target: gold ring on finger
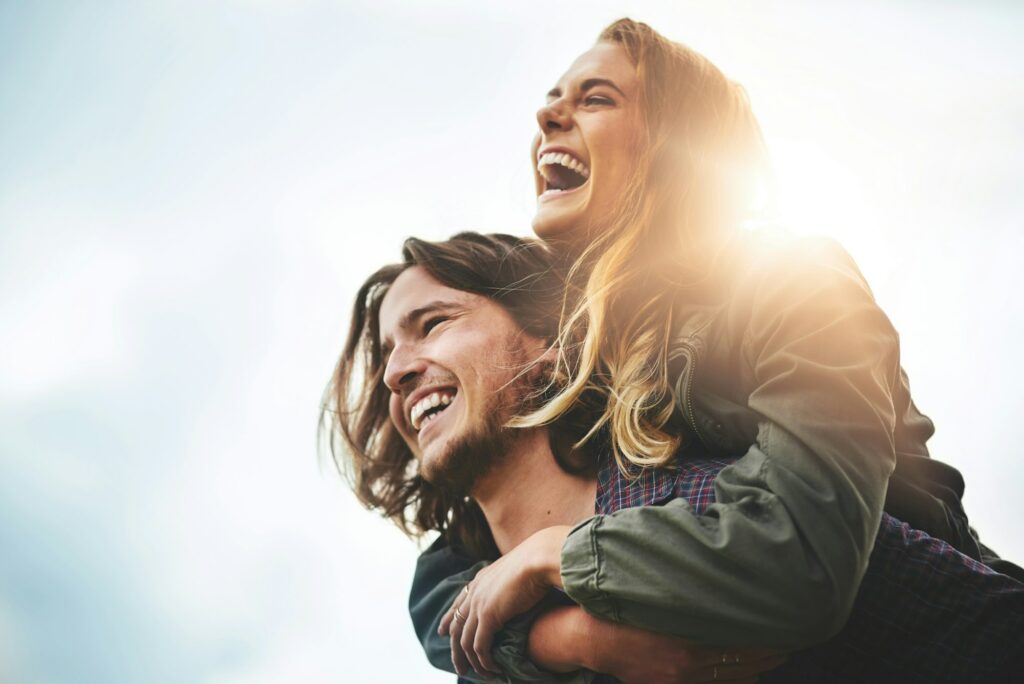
column 459, row 616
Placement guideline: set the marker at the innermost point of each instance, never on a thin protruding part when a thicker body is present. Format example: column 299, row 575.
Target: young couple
column 701, row 436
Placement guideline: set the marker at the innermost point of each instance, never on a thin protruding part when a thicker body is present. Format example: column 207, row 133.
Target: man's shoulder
column 690, row 475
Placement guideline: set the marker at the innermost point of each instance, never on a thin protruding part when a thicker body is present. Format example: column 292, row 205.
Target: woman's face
column 584, row 154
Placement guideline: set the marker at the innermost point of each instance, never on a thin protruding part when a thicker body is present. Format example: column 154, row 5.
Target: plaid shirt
column 924, row 611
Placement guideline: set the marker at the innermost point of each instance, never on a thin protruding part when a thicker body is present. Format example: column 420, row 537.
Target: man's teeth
column 562, row 159
column 425, row 404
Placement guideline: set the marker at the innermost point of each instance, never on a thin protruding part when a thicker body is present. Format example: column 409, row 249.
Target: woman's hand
column 508, row 587
column 567, row 638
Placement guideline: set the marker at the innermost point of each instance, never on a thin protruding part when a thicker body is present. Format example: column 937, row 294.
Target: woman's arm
column 777, row 561
column 441, row 575
column 565, row 645
column 560, row 643
column 564, row 637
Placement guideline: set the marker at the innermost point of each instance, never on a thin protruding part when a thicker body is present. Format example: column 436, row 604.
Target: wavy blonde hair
column 695, row 181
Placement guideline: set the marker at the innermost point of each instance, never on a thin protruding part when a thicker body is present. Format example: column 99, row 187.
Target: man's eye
column 599, row 100
column 432, row 323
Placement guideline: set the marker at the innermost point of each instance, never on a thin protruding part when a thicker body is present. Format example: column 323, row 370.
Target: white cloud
column 63, row 309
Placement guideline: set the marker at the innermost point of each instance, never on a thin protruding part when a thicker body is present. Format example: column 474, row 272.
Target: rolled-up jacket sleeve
column 778, row 559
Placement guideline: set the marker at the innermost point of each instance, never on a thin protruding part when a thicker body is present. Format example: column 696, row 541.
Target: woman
column 683, row 327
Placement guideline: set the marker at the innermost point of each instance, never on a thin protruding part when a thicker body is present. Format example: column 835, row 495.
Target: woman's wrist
column 547, row 565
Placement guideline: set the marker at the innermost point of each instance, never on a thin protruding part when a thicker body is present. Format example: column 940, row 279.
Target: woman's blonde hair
column 694, row 183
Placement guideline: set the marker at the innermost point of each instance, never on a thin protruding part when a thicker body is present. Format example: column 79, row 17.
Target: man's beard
column 477, row 452
column 472, row 456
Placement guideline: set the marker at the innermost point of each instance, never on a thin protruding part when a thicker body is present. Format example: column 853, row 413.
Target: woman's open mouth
column 561, row 173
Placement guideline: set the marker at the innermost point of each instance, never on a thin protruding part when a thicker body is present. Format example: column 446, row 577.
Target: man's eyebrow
column 587, row 85
column 409, row 319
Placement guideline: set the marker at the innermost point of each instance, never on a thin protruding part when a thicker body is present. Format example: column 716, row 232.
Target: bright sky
column 190, row 193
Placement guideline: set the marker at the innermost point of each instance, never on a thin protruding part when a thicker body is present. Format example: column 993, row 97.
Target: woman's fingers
column 466, row 643
column 475, row 637
column 482, row 643
column 446, row 620
column 458, row 623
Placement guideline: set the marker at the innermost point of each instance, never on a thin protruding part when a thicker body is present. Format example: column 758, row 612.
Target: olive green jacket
column 794, row 367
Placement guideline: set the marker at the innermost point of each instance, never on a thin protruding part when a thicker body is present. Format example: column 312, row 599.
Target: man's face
column 453, row 363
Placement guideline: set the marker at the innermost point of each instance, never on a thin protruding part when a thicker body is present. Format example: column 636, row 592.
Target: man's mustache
column 436, row 378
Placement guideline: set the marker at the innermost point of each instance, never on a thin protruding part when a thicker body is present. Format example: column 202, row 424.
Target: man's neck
column 528, row 491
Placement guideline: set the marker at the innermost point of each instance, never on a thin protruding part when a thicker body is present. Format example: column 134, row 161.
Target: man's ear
column 550, row 355
column 540, row 371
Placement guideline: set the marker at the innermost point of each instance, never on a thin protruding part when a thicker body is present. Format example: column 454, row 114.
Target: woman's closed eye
column 598, row 100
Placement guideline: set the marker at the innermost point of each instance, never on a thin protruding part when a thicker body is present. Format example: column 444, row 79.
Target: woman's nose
column 554, row 116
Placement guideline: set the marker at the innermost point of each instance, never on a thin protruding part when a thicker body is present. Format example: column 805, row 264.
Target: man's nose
column 554, row 116
column 403, row 366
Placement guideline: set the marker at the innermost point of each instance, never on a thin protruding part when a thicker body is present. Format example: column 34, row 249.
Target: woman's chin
column 551, row 223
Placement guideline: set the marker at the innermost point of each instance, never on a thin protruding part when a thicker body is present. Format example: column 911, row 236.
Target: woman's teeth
column 549, row 159
column 431, row 401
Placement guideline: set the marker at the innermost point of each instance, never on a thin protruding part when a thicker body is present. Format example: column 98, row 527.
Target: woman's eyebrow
column 587, row 85
column 595, row 82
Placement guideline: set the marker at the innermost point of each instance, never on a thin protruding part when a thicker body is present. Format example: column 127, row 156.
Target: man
column 454, row 342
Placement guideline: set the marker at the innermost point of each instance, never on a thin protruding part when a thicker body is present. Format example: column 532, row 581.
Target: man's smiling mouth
column 429, row 407
column 561, row 172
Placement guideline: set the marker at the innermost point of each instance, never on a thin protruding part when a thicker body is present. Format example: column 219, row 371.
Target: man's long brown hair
column 368, row 450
